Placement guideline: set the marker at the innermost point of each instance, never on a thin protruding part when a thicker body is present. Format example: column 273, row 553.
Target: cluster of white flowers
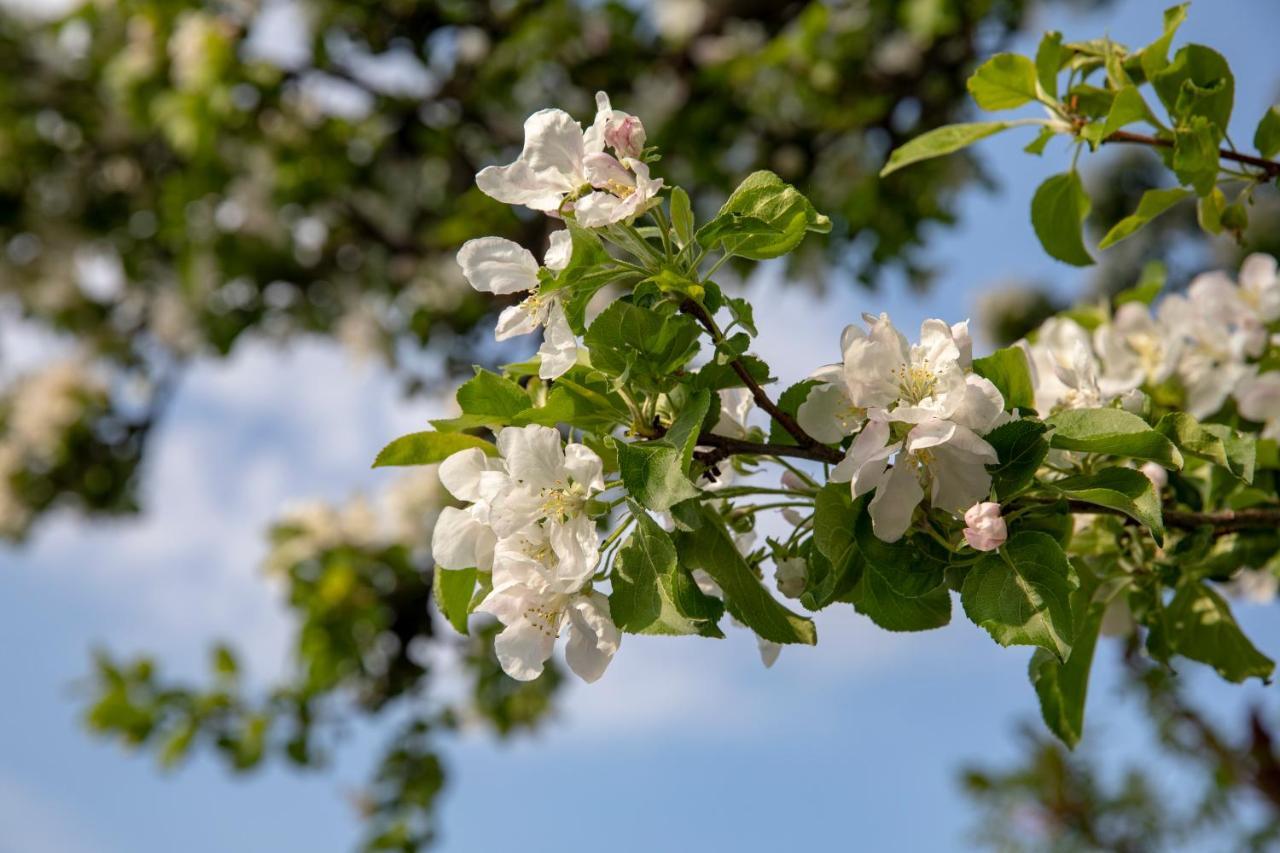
column 1204, row 340
column 920, row 405
column 526, row 523
column 562, row 169
column 36, row 416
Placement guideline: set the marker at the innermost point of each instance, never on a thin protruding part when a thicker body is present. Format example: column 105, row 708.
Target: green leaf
column 1021, row 594
column 1152, row 204
column 487, row 400
column 1195, row 155
column 1203, row 629
column 1197, row 83
column 1209, row 210
column 653, row 473
column 452, row 589
column 427, row 448
column 912, row 567
column 1112, row 431
column 1049, row 63
column 874, row 598
column 685, row 429
column 835, row 566
column 709, row 548
column 1062, row 687
column 1217, row 443
column 651, row 593
column 1150, row 283
column 1155, row 56
column 1058, row 210
column 764, row 197
column 1267, row 137
column 940, row 141
column 1007, row 369
column 1021, row 447
column 681, row 216
column 1037, row 145
column 1003, row 82
column 627, row 340
column 1121, row 489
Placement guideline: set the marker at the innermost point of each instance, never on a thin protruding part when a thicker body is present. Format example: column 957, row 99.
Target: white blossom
column 499, row 266
column 1064, row 369
column 1258, row 586
column 463, row 538
column 791, row 574
column 1258, row 398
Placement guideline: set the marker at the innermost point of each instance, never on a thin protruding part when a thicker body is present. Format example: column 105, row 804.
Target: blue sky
column 683, row 745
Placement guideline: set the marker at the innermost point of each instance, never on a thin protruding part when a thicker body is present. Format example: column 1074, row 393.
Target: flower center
column 545, row 619
column 618, row 188
column 563, row 502
column 916, row 381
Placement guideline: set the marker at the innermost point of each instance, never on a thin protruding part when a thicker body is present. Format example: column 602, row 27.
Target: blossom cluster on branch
column 1120, row 463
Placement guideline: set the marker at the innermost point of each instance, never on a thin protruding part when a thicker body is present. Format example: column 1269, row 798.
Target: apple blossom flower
column 949, row 457
column 1258, row 398
column 1064, row 369
column 735, row 407
column 1258, row 586
column 1260, row 286
column 1132, row 349
column 985, row 529
column 550, row 482
column 1212, row 355
column 791, row 575
column 535, row 606
column 499, row 266
column 563, row 168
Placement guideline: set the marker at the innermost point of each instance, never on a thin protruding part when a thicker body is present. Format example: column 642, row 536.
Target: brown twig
column 723, row 447
column 805, row 440
column 1271, row 167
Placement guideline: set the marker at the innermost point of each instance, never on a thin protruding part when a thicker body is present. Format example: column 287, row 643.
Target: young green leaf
column 1195, row 155
column 1152, row 204
column 1021, row 594
column 1003, row 82
column 709, row 548
column 681, row 216
column 643, row 344
column 651, row 593
column 428, row 448
column 1197, row 83
column 1123, row 489
column 1209, row 210
column 1155, row 56
column 1112, row 431
column 765, row 198
column 1049, row 63
column 1203, row 629
column 452, row 589
column 1266, row 138
column 1007, row 369
column 687, row 426
column 1217, row 443
column 486, row 399
column 653, row 473
column 1058, row 210
column 941, row 141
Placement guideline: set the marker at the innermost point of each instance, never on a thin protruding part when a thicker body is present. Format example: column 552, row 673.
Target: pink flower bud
column 1157, row 475
column 626, row 135
column 985, row 530
column 791, row 480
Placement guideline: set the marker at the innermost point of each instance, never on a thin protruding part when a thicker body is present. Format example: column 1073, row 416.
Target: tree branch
column 723, row 447
column 1222, row 522
column 1271, row 167
column 699, row 313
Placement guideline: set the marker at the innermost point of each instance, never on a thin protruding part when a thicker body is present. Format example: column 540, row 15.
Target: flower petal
column 594, row 639
column 559, row 350
column 495, row 265
column 897, row 496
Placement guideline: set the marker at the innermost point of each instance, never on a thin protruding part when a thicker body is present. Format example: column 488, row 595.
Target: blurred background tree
column 178, row 176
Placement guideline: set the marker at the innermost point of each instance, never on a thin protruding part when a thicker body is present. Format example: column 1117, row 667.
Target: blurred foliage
column 1053, row 800
column 176, row 175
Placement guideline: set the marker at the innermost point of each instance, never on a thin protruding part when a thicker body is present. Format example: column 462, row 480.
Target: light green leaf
column 1209, row 210
column 427, row 448
column 687, row 426
column 681, row 216
column 1058, row 210
column 1267, row 136
column 1049, row 63
column 1021, row 594
column 1217, row 443
column 1197, row 83
column 653, row 473
column 1155, row 56
column 940, row 141
column 1007, row 369
column 641, row 344
column 709, row 548
column 1112, row 431
column 651, row 593
column 1021, row 447
column 1123, row 489
column 1152, row 204
column 1195, row 155
column 1003, row 82
column 452, row 589
column 488, row 400
column 1202, row 628
column 764, row 197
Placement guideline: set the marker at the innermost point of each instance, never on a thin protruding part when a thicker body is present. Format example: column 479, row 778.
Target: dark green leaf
column 1021, row 447
column 1062, row 687
column 789, row 402
column 651, row 593
column 653, row 473
column 629, row 340
column 1021, row 594
column 1121, row 489
column 1202, row 628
